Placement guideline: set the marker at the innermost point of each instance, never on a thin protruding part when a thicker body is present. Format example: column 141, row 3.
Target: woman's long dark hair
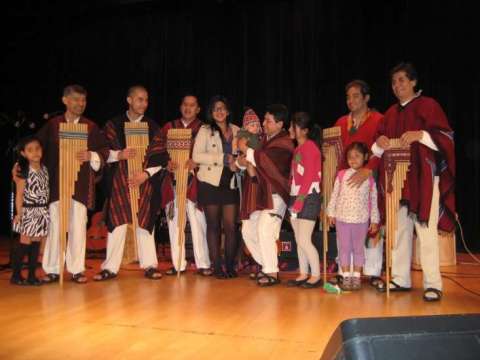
column 210, row 120
column 303, row 121
column 22, row 161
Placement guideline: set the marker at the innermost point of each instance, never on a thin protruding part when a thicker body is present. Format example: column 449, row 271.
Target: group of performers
column 260, row 173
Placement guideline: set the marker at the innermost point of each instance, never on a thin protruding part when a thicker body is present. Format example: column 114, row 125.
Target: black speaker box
column 446, row 337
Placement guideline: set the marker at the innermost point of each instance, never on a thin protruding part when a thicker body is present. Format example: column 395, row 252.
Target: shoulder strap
column 340, row 176
column 372, row 184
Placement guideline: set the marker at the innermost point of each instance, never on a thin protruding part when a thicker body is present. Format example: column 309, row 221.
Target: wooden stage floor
column 197, row 318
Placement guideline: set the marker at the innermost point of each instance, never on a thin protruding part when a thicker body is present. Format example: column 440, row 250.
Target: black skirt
column 209, row 194
column 311, row 206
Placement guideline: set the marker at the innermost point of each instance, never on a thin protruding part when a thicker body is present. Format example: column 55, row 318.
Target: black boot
column 17, row 263
column 32, row 264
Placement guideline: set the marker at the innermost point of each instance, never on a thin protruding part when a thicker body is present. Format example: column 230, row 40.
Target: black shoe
column 34, row 281
column 294, row 282
column 231, row 274
column 220, row 274
column 316, row 284
column 18, row 280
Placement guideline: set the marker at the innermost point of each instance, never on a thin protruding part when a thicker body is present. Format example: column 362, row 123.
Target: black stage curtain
column 301, row 53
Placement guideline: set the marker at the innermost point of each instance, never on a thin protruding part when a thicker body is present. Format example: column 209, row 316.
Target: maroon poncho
column 85, row 185
column 118, row 201
column 272, row 161
column 423, row 113
column 159, row 146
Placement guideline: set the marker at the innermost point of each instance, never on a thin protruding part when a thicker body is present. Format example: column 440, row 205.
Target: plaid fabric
column 118, row 202
column 159, row 146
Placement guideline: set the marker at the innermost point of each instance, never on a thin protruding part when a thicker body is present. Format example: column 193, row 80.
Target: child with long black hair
column 305, row 197
column 32, row 218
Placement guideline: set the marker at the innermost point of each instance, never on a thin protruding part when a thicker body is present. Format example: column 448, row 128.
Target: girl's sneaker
column 356, row 283
column 347, row 283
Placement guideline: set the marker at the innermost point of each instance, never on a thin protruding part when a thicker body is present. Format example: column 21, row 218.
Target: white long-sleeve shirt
column 351, row 204
column 113, row 155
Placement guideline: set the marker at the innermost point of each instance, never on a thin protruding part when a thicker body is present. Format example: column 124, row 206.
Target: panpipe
column 179, row 142
column 396, row 162
column 136, row 137
column 332, row 159
column 72, row 139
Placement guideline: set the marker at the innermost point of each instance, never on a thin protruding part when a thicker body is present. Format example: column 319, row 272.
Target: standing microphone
column 21, row 118
column 48, row 116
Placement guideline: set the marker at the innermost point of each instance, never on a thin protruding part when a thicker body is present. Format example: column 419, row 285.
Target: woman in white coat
column 214, row 151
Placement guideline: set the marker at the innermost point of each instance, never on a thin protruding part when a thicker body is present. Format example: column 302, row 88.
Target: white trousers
column 427, row 236
column 307, row 253
column 374, row 259
column 260, row 233
column 76, row 243
column 147, row 252
column 198, row 228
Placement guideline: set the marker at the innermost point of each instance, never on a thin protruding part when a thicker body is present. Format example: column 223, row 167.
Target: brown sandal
column 205, row 272
column 79, row 278
column 153, row 274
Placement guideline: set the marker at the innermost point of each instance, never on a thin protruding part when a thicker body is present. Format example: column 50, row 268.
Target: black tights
column 215, row 215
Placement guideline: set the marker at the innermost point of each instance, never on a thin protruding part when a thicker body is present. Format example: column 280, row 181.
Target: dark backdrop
column 300, row 53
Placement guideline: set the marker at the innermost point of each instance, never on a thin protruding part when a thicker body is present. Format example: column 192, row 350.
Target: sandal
column 205, row 272
column 79, row 278
column 50, row 278
column 374, row 281
column 172, row 271
column 437, row 297
column 256, row 275
column 153, row 274
column 104, row 275
column 394, row 287
column 270, row 281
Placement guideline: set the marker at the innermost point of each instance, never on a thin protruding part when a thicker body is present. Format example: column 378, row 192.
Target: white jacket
column 208, row 154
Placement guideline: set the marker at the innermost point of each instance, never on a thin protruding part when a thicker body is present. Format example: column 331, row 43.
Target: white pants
column 147, row 253
column 260, row 233
column 76, row 243
column 374, row 259
column 198, row 228
column 307, row 253
column 427, row 236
